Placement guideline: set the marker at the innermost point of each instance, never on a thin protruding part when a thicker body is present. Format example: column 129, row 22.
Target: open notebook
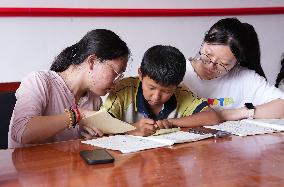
column 250, row 127
column 128, row 143
column 110, row 125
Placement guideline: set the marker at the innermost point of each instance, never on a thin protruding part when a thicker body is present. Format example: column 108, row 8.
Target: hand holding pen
column 144, row 127
column 163, row 124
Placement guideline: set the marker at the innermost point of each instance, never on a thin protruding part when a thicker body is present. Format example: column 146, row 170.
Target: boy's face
column 155, row 94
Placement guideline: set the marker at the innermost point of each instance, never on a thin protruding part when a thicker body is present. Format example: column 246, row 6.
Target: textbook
column 110, row 125
column 129, row 143
column 248, row 127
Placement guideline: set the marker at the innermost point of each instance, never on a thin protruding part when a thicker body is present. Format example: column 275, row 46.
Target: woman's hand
column 144, row 127
column 91, row 132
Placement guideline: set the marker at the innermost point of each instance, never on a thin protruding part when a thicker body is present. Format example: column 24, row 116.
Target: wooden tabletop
column 231, row 161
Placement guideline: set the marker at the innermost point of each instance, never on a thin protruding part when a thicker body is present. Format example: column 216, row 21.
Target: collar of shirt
column 142, row 106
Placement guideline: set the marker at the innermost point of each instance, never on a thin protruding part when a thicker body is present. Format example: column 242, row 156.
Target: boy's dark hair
column 105, row 44
column 280, row 75
column 166, row 65
column 242, row 40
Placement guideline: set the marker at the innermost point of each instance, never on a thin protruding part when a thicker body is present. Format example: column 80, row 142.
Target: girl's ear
column 91, row 61
column 140, row 74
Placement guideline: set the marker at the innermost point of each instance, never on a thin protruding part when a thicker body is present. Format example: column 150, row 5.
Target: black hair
column 164, row 64
column 242, row 40
column 105, row 44
column 280, row 75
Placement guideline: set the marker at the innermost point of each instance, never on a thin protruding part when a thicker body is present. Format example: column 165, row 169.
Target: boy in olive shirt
column 155, row 99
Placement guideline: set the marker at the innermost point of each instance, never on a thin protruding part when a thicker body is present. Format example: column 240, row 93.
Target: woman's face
column 215, row 61
column 104, row 75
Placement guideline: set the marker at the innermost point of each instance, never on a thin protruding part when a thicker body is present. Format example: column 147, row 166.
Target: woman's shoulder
column 41, row 80
column 239, row 72
column 40, row 76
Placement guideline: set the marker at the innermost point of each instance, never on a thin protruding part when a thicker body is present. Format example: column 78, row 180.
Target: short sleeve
column 259, row 91
column 189, row 103
column 113, row 105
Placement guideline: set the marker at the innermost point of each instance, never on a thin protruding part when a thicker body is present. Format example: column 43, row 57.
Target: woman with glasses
column 50, row 104
column 228, row 72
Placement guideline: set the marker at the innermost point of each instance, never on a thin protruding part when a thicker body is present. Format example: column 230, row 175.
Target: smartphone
column 97, row 156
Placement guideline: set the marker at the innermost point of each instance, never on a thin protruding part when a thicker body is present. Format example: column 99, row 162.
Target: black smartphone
column 97, row 156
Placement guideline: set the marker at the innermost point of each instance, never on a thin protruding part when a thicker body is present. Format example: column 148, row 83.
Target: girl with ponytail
column 227, row 71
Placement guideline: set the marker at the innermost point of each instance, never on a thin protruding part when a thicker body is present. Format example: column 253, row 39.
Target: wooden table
column 231, row 161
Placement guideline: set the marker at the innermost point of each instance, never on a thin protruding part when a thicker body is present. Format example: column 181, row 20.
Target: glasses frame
column 118, row 77
column 210, row 61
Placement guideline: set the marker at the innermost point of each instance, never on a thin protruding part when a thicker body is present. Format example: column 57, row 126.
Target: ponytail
column 105, row 44
column 242, row 40
column 64, row 59
column 280, row 75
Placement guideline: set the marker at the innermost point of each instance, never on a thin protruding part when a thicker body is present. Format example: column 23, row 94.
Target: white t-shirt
column 233, row 90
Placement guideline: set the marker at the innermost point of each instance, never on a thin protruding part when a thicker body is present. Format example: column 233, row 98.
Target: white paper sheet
column 244, row 127
column 128, row 143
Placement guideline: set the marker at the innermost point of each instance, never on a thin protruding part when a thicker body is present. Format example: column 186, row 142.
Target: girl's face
column 104, row 75
column 215, row 61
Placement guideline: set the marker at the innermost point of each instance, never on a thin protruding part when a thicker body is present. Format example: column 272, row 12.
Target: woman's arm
column 207, row 117
column 40, row 128
column 270, row 110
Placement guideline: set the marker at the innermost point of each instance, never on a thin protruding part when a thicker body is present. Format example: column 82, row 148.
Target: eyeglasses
column 205, row 59
column 118, row 75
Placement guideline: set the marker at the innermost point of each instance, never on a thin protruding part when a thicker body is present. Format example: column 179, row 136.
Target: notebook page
column 242, row 128
column 124, row 143
column 277, row 124
column 128, row 143
column 178, row 137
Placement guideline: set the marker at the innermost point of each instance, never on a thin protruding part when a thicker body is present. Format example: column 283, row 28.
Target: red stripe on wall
column 9, row 86
column 88, row 12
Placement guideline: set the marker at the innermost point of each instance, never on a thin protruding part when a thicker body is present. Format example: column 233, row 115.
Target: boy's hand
column 144, row 127
column 163, row 124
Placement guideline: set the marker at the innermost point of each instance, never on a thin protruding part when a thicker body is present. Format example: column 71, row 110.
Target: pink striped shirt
column 44, row 93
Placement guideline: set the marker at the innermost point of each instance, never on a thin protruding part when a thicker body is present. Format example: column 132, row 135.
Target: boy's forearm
column 198, row 119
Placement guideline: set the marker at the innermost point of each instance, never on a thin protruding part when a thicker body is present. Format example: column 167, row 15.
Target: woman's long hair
column 105, row 44
column 280, row 75
column 242, row 40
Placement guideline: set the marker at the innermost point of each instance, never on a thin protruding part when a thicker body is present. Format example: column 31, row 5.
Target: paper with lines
column 129, row 143
column 250, row 127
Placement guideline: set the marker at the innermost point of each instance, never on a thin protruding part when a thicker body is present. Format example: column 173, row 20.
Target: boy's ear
column 91, row 61
column 140, row 74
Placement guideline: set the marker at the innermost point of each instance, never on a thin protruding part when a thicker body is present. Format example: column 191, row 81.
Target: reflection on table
column 231, row 161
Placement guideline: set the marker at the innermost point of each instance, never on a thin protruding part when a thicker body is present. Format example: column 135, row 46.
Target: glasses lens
column 206, row 60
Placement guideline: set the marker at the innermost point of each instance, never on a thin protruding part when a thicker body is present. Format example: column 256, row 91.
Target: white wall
column 31, row 43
